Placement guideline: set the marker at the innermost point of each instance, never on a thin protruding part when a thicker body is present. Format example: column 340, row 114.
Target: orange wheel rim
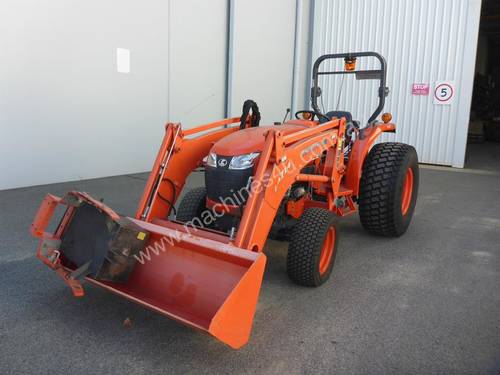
column 407, row 191
column 327, row 251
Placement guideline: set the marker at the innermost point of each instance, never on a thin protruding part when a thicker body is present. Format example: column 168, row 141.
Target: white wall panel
column 198, row 60
column 65, row 111
column 261, row 63
column 424, row 41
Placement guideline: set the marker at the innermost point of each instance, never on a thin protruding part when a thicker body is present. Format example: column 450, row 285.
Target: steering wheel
column 312, row 113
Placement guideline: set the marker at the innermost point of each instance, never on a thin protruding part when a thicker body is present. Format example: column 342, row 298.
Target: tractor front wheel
column 312, row 248
column 192, row 206
column 388, row 189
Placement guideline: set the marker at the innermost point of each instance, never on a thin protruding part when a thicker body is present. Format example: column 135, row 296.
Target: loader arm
column 280, row 166
column 177, row 158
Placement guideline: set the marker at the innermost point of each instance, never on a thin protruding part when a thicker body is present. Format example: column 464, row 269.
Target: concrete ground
column 428, row 302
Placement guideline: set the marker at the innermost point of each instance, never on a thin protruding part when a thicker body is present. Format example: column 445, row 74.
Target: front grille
column 224, row 184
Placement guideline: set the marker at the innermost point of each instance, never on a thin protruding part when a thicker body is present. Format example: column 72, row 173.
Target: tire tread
column 189, row 208
column 305, row 246
column 378, row 187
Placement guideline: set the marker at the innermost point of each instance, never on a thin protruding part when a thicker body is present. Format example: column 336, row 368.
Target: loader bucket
column 200, row 282
column 192, row 278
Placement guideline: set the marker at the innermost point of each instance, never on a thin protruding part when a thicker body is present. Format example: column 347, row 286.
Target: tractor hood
column 249, row 140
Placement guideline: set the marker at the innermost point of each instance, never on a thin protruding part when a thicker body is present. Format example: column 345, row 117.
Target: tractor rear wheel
column 192, row 205
column 388, row 189
column 312, row 248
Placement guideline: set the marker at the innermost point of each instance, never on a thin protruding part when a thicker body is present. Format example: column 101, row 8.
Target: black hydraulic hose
column 174, row 195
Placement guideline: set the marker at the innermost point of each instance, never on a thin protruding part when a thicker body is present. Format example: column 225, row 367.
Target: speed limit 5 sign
column 444, row 92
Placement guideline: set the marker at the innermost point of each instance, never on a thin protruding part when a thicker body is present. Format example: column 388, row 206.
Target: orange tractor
column 202, row 263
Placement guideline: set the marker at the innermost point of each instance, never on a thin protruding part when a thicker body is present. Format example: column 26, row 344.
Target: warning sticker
column 420, row 89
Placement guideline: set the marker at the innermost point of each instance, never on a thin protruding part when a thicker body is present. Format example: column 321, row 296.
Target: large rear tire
column 389, row 189
column 192, row 205
column 312, row 248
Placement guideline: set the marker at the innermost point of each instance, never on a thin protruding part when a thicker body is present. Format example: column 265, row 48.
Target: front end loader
column 201, row 262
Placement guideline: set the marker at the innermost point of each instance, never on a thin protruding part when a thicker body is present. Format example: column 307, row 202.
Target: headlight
column 212, row 160
column 243, row 161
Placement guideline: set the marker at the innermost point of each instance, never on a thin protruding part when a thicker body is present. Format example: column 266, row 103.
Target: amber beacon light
column 386, row 117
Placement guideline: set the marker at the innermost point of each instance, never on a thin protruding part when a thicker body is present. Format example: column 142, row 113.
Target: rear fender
column 359, row 152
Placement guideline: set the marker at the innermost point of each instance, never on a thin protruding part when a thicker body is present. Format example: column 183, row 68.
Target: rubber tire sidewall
column 402, row 222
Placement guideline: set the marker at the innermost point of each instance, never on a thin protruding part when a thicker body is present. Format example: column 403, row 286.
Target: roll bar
column 379, row 74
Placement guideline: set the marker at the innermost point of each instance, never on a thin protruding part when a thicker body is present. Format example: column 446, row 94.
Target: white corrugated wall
column 424, row 41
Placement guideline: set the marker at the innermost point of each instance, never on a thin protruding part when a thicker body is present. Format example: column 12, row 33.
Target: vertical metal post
column 230, row 56
column 297, row 53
